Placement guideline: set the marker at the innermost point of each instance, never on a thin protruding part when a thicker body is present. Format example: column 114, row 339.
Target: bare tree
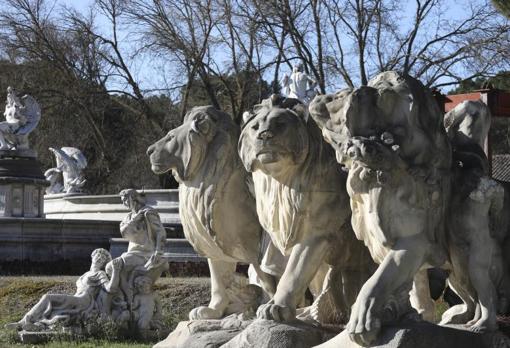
column 183, row 30
column 348, row 41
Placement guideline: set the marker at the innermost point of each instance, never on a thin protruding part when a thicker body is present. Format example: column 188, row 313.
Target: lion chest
column 195, row 211
column 383, row 213
column 281, row 211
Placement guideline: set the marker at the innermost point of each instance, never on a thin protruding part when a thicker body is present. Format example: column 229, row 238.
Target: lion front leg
column 421, row 299
column 479, row 271
column 393, row 274
column 221, row 276
column 304, row 261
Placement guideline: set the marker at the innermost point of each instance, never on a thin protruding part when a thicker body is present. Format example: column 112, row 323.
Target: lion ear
column 302, row 111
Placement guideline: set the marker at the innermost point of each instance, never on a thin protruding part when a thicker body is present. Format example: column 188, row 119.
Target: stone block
column 425, row 335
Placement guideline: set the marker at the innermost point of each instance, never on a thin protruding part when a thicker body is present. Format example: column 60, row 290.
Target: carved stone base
column 24, row 153
column 204, row 333
column 268, row 333
column 425, row 335
column 31, row 337
column 233, row 332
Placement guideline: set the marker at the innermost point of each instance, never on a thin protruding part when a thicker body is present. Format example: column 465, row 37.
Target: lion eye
column 255, row 126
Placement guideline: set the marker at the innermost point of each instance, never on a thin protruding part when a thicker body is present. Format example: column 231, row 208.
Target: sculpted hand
column 117, row 264
column 364, row 325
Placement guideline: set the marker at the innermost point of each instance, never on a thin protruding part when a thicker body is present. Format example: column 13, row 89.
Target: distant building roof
column 501, row 167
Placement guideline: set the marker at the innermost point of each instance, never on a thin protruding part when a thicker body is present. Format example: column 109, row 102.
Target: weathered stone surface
column 233, row 332
column 204, row 333
column 268, row 333
column 425, row 335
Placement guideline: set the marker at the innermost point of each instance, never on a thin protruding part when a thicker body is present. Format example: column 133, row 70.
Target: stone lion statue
column 303, row 204
column 216, row 207
column 406, row 206
column 477, row 223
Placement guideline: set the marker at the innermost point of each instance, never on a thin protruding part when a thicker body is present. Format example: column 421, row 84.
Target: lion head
column 275, row 136
column 395, row 105
column 205, row 134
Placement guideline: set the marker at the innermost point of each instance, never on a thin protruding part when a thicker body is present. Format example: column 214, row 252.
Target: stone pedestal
column 233, row 332
column 425, row 335
column 22, row 185
column 110, row 207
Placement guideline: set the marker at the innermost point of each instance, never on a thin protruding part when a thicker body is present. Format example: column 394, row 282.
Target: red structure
column 497, row 100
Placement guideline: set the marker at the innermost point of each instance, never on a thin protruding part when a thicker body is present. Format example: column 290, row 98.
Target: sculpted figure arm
column 158, row 235
column 113, row 284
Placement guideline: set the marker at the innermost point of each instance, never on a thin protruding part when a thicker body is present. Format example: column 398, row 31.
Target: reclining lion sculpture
column 303, row 205
column 216, row 208
column 406, row 202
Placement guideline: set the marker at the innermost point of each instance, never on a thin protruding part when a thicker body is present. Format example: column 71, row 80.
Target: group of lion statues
column 360, row 193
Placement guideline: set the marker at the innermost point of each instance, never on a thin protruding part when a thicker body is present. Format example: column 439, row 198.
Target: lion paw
column 363, row 326
column 204, row 313
column 275, row 312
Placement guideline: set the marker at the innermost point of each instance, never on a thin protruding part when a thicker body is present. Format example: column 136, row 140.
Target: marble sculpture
column 420, row 198
column 67, row 177
column 21, row 118
column 216, row 207
column 303, row 204
column 299, row 85
column 120, row 289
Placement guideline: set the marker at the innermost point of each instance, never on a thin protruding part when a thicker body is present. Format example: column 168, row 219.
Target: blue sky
column 152, row 72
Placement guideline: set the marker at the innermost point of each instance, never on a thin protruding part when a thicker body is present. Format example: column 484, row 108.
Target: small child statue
column 146, row 306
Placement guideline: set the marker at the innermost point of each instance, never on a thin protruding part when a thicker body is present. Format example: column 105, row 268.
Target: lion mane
column 289, row 205
column 216, row 208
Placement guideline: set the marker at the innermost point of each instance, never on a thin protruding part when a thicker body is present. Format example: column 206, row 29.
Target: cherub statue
column 20, row 120
column 299, row 85
column 146, row 306
column 70, row 164
column 74, row 309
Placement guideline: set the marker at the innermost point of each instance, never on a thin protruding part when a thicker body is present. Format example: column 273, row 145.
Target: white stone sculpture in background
column 74, row 310
column 477, row 225
column 143, row 229
column 303, row 204
column 299, row 85
column 121, row 289
column 67, row 177
column 21, row 118
column 216, row 207
column 390, row 135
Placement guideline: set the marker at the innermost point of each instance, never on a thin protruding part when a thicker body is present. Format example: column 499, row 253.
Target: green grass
column 19, row 294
